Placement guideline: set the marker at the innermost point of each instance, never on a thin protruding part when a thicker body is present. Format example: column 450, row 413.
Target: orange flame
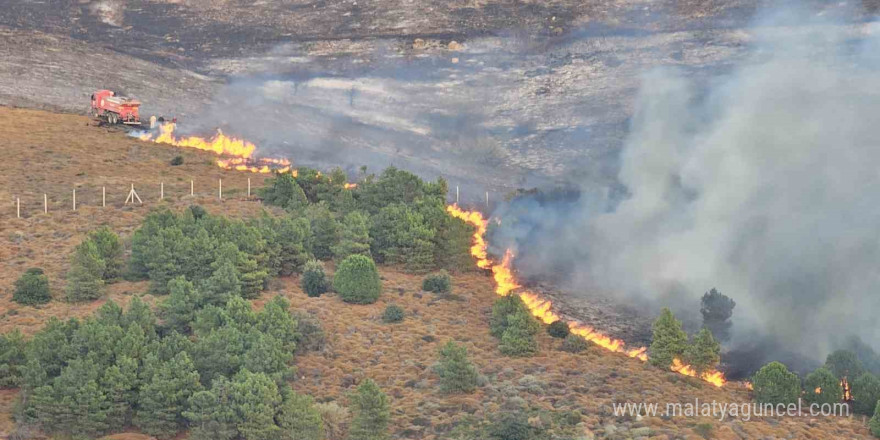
column 242, row 151
column 542, row 308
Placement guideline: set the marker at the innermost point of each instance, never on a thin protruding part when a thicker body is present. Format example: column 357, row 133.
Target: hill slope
column 53, row 153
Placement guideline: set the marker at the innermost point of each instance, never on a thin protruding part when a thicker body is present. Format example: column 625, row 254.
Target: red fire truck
column 115, row 109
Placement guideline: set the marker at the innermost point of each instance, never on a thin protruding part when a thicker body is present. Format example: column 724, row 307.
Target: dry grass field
column 53, row 153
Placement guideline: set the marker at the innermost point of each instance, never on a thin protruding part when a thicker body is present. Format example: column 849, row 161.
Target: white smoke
column 765, row 184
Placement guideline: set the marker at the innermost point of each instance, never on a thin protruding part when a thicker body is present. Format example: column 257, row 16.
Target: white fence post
column 45, row 204
column 191, row 187
column 249, row 187
column 74, row 199
column 103, row 196
column 18, row 207
column 220, row 194
column 161, row 190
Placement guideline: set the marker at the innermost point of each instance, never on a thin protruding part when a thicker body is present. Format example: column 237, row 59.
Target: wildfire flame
column 542, row 308
column 242, row 151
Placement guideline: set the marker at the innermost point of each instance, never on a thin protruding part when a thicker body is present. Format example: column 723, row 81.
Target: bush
column 437, row 282
column 393, row 313
column 558, row 329
column 865, row 393
column 457, row 373
column 314, row 280
column 284, row 191
column 519, row 337
column 828, row 387
column 574, row 343
column 335, row 419
column 357, row 280
column 85, row 279
column 511, row 426
column 669, row 340
column 178, row 160
column 371, row 413
column 32, row 288
column 773, row 383
column 325, row 231
column 310, row 334
column 703, row 353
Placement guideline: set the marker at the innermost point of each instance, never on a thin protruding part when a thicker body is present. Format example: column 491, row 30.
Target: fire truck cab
column 115, row 109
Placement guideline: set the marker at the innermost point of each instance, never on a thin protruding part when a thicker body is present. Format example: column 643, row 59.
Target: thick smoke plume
column 762, row 182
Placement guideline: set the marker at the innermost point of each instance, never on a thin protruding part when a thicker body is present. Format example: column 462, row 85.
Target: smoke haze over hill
column 760, row 183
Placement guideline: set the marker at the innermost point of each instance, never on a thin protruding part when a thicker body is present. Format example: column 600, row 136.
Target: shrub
column 437, row 282
column 357, row 280
column 773, row 383
column 310, row 334
column 865, row 393
column 705, row 430
column 371, row 413
column 717, row 309
column 501, row 309
column 335, row 419
column 32, row 288
column 874, row 424
column 110, row 250
column 511, row 426
column 558, row 329
column 574, row 343
column 828, row 387
column 178, row 160
column 844, row 363
column 669, row 340
column 519, row 337
column 457, row 373
column 393, row 313
column 314, row 280
column 85, row 278
column 703, row 353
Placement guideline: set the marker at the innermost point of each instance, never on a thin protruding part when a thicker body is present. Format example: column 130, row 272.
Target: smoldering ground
column 762, row 183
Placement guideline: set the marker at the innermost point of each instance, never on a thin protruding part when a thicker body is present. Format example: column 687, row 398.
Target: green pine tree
column 163, row 399
column 865, row 391
column 669, row 341
column 457, row 373
column 704, row 353
column 354, row 236
column 325, row 231
column 179, row 309
column 773, row 383
column 822, row 387
column 501, row 309
column 371, row 413
column 299, row 419
column 314, row 280
column 110, row 250
column 210, row 416
column 255, row 398
column 74, row 404
column 12, row 359
column 85, row 279
column 119, row 384
column 518, row 338
column 874, row 424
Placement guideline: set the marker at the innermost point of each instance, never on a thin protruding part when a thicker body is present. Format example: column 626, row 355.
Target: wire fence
column 117, row 195
column 109, row 195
